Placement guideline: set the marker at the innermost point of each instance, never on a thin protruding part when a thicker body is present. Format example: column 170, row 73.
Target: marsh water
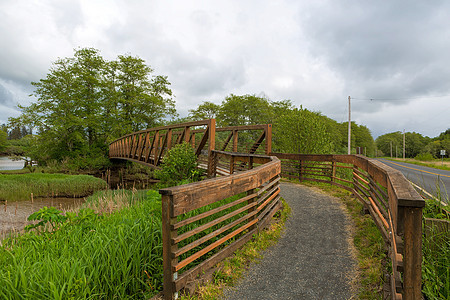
column 13, row 215
column 8, row 164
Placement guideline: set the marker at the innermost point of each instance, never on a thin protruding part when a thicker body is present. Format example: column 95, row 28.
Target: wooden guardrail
column 206, row 221
column 393, row 203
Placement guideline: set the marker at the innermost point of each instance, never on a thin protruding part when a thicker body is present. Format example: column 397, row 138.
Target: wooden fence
column 206, row 221
column 393, row 203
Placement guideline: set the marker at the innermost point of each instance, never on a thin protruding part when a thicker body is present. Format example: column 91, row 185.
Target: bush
column 424, row 157
column 180, row 164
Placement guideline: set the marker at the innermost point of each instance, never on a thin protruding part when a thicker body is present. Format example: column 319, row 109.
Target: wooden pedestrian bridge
column 205, row 222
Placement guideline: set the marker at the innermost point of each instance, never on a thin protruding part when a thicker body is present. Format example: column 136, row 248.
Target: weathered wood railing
column 206, row 221
column 149, row 146
column 393, row 203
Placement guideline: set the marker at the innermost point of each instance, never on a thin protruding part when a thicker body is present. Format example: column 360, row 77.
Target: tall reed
column 20, row 186
column 117, row 256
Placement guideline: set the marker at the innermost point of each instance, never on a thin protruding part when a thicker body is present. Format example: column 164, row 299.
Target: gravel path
column 312, row 260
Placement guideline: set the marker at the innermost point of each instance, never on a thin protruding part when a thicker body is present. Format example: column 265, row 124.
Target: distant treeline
column 295, row 129
column 86, row 101
column 416, row 145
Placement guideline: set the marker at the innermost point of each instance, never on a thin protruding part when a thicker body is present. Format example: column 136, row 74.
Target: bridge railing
column 149, row 146
column 206, row 221
column 393, row 203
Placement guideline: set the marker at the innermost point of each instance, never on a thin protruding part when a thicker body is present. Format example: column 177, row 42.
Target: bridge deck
column 312, row 260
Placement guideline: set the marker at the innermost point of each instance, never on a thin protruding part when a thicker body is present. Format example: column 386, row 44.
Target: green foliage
column 19, row 186
column 180, row 163
column 244, row 110
column 206, row 110
column 424, row 156
column 302, row 131
column 436, row 252
column 86, row 101
column 295, row 129
column 46, row 215
column 118, row 256
column 3, row 138
column 415, row 144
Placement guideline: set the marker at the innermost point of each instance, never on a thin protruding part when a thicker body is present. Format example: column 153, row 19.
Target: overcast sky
column 316, row 53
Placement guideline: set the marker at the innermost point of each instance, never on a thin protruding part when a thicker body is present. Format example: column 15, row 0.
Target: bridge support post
column 211, row 147
column 268, row 133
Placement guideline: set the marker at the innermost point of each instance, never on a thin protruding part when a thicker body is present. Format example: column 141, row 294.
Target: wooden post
column 168, row 247
column 300, row 173
column 211, row 146
column 268, row 130
column 231, row 165
column 187, row 134
column 235, row 140
column 412, row 253
column 333, row 171
column 169, row 139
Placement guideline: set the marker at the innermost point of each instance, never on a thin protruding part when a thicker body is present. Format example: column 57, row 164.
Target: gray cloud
column 314, row 53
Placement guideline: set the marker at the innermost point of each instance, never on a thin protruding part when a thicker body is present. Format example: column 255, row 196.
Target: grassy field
column 435, row 163
column 16, row 187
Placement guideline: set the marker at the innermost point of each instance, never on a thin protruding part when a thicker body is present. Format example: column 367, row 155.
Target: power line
column 398, row 99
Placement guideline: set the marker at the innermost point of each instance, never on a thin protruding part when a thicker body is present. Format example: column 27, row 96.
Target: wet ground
column 13, row 215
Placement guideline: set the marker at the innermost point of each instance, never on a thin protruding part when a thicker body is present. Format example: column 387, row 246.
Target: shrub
column 179, row 164
column 424, row 157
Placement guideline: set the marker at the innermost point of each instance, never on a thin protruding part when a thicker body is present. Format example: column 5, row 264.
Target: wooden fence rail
column 393, row 203
column 206, row 221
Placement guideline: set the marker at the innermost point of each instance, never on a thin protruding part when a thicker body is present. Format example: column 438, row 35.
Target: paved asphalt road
column 425, row 177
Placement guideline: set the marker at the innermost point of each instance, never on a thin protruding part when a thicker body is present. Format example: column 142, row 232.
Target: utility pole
column 349, row 127
column 404, row 144
column 396, row 154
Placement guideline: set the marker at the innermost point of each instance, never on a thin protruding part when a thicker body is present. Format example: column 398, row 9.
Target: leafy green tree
column 244, row 110
column 414, row 144
column 383, row 143
column 363, row 138
column 206, row 110
column 302, row 131
column 85, row 102
column 3, row 139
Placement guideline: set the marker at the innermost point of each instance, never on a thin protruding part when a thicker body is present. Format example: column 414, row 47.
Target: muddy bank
column 13, row 215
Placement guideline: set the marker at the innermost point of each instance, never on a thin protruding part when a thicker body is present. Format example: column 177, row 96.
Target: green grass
column 18, row 187
column 435, row 163
column 111, row 252
column 436, row 254
column 117, row 256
